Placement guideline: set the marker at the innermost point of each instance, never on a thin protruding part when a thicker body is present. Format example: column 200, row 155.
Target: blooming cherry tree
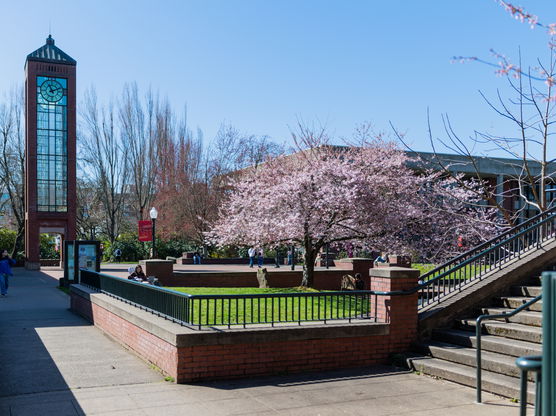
column 332, row 194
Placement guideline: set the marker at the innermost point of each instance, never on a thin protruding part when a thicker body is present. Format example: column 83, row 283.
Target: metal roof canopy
column 51, row 53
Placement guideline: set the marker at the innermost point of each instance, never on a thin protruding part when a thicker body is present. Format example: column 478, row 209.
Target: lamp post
column 154, row 214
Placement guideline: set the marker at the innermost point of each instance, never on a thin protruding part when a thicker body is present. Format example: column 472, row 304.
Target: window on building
column 52, row 157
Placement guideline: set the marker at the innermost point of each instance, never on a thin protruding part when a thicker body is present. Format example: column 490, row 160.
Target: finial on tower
column 50, row 40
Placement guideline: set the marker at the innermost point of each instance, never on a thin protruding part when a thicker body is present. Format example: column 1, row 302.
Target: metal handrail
column 486, row 257
column 478, row 332
column 527, row 364
column 144, row 296
column 447, row 273
column 498, row 237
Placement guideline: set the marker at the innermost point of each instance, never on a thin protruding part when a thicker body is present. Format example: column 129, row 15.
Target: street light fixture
column 154, row 215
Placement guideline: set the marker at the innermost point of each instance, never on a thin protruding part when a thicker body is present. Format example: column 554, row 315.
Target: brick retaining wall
column 238, row 260
column 191, row 355
column 324, row 279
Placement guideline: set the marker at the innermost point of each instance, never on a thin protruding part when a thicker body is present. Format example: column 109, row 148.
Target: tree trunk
column 18, row 243
column 309, row 267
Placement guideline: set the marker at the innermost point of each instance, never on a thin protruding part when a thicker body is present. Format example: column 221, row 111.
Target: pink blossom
column 519, row 14
column 366, row 195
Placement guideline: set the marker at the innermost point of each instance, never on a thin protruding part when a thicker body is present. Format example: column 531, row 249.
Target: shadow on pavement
column 32, row 307
column 360, row 373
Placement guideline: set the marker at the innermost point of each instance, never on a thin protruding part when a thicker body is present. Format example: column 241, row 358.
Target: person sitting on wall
column 359, row 283
column 383, row 258
column 137, row 274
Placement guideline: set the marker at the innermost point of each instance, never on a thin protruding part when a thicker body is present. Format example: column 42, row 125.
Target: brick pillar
column 399, row 311
column 161, row 269
column 363, row 266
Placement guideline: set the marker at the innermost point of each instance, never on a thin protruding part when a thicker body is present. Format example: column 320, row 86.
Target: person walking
column 277, row 257
column 118, row 255
column 251, row 253
column 260, row 258
column 5, row 271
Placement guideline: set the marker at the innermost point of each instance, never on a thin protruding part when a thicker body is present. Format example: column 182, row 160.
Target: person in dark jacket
column 359, row 283
column 5, row 271
column 138, row 274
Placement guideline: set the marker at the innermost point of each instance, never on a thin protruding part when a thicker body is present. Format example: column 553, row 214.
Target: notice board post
column 80, row 255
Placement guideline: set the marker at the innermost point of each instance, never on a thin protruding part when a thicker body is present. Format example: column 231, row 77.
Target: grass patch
column 423, row 267
column 240, row 290
column 467, row 272
column 316, row 306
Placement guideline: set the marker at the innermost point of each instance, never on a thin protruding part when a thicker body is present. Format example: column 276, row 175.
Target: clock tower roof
column 51, row 53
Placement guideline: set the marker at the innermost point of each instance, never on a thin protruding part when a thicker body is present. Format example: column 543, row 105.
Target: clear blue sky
column 262, row 64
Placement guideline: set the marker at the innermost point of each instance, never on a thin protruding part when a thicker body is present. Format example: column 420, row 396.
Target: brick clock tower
column 50, row 141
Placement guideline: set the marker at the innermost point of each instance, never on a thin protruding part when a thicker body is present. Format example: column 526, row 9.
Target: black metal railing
column 485, row 258
column 526, row 365
column 544, row 366
column 161, row 301
column 279, row 308
column 233, row 310
column 478, row 333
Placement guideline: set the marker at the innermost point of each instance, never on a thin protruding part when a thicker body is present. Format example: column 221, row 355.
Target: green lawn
column 467, row 272
column 240, row 290
column 423, row 267
column 271, row 307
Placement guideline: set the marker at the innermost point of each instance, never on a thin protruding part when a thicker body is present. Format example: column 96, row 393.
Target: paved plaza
column 56, row 363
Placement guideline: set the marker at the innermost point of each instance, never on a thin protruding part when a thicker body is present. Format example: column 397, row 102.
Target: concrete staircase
column 451, row 353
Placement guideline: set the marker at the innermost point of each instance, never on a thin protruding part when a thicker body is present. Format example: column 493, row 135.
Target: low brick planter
column 241, row 260
column 192, row 355
column 324, row 279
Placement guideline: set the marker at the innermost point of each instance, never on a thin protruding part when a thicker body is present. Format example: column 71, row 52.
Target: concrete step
column 523, row 317
column 531, row 291
column 491, row 361
column 504, row 329
column 462, row 374
column 516, row 301
column 513, row 347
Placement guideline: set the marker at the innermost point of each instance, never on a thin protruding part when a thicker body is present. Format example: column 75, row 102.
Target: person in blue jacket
column 5, row 271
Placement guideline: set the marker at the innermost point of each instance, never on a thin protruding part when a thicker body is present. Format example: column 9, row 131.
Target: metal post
column 479, row 386
column 154, row 239
column 523, row 394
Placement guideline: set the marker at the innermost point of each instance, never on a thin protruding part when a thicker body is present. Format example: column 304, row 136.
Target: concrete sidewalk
column 55, row 363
